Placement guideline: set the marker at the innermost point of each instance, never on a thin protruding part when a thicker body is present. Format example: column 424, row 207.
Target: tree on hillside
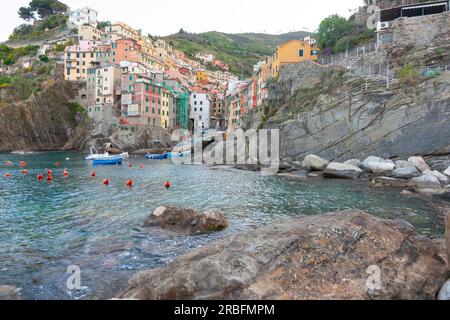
column 43, row 8
column 331, row 29
column 26, row 14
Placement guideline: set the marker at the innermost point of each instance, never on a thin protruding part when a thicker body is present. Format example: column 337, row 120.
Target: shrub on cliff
column 409, row 74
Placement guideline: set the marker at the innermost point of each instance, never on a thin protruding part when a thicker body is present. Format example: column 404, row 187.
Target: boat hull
column 156, row 156
column 108, row 162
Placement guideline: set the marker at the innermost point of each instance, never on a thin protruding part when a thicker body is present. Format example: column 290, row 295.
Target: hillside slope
column 239, row 51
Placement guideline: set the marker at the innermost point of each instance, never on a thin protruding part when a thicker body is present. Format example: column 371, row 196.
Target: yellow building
column 165, row 100
column 292, row 52
column 88, row 32
column 78, row 59
column 201, row 75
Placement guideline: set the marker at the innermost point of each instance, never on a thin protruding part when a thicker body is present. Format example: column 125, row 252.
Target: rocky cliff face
column 44, row 122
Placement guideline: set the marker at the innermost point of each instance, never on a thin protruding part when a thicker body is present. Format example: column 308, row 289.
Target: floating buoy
column 49, row 172
column 167, row 185
column 106, row 182
column 25, row 172
column 40, row 177
column 67, row 159
column 142, row 166
column 130, row 166
column 7, row 175
column 57, row 164
column 93, row 174
column 8, row 163
column 22, row 164
column 130, row 183
column 65, row 173
column 49, row 178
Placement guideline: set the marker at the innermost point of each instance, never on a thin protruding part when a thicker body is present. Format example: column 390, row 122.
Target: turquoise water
column 46, row 227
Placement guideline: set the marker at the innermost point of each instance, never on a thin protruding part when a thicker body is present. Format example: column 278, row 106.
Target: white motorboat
column 104, row 156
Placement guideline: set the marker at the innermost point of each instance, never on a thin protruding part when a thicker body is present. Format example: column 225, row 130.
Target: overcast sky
column 231, row 16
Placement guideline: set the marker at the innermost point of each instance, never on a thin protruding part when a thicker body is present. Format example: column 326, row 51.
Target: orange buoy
column 40, row 177
column 65, row 173
column 142, row 166
column 130, row 183
column 22, row 164
column 130, row 166
column 93, row 174
column 106, row 182
column 8, row 163
column 49, row 178
column 167, row 185
column 57, row 164
column 7, row 175
column 25, row 172
column 49, row 172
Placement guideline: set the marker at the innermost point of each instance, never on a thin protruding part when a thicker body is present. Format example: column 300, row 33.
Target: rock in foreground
column 186, row 220
column 342, row 170
column 309, row 257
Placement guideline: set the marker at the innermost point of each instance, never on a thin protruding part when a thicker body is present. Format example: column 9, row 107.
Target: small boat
column 173, row 155
column 153, row 156
column 94, row 155
column 108, row 160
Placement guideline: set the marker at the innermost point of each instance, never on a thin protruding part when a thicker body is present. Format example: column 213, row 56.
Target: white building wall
column 82, row 16
column 200, row 110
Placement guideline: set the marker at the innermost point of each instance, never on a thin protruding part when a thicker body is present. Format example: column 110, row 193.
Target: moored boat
column 152, row 156
column 108, row 160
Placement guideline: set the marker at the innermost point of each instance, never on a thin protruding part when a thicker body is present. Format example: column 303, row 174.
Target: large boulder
column 186, row 220
column 426, row 183
column 380, row 168
column 329, row 256
column 444, row 294
column 447, row 172
column 389, row 182
column 401, row 164
column 419, row 163
column 406, row 172
column 354, row 162
column 443, row 179
column 365, row 163
column 315, row 163
column 342, row 170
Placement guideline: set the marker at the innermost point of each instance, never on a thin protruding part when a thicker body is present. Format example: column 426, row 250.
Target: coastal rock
column 443, row 179
column 9, row 292
column 315, row 163
column 298, row 174
column 380, row 168
column 419, row 163
column 406, row 172
column 309, row 257
column 402, row 164
column 365, row 163
column 447, row 172
column 444, row 294
column 390, row 182
column 186, row 220
column 426, row 183
column 354, row 162
column 342, row 170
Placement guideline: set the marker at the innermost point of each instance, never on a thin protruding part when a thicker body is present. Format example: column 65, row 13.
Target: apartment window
column 201, row 103
column 153, row 110
column 195, row 109
column 92, row 54
column 146, row 109
column 146, row 98
column 314, row 52
column 159, row 111
column 84, row 54
column 131, row 78
column 153, row 100
column 195, row 103
column 200, row 117
column 153, row 88
column 301, row 53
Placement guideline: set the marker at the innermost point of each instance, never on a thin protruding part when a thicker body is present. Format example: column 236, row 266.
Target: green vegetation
column 74, row 109
column 43, row 9
column 239, row 51
column 409, row 75
column 102, row 24
column 10, row 55
column 337, row 34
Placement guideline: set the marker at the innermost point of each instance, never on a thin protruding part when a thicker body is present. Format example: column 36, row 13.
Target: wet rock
column 419, row 163
column 402, row 164
column 354, row 162
column 365, row 163
column 407, row 193
column 380, row 168
column 444, row 293
column 342, row 170
column 310, row 257
column 298, row 174
column 9, row 292
column 406, row 173
column 390, row 182
column 186, row 220
column 426, row 183
column 315, row 163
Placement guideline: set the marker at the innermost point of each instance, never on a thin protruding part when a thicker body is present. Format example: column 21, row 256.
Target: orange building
column 293, row 51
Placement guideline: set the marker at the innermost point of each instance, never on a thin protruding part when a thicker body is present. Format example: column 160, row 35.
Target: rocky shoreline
column 330, row 256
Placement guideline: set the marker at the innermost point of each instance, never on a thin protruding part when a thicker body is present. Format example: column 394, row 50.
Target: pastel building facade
column 81, row 17
column 200, row 110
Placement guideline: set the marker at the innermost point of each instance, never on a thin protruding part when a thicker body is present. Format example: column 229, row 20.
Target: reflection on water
column 46, row 227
